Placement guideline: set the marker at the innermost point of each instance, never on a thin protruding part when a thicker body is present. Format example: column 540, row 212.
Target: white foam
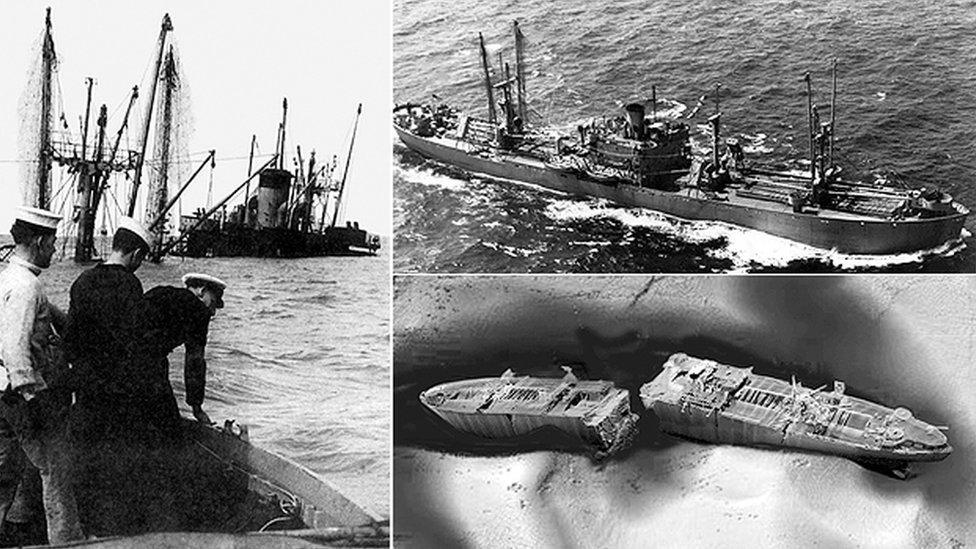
column 511, row 251
column 744, row 246
column 429, row 178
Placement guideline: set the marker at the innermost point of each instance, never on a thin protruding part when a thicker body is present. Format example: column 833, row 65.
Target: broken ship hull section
column 763, row 411
column 594, row 412
column 846, row 234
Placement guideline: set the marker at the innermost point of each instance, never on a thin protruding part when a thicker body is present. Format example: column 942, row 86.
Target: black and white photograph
column 684, row 411
column 661, row 137
column 195, row 285
column 418, row 273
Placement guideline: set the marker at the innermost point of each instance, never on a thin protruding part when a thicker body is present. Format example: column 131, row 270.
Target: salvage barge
column 595, row 412
column 646, row 162
column 705, row 400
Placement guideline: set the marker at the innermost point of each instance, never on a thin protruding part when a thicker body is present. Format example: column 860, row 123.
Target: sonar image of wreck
column 705, row 400
column 595, row 412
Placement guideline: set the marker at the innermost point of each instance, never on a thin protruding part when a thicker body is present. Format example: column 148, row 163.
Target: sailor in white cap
column 181, row 316
column 35, row 402
column 104, row 343
column 104, row 332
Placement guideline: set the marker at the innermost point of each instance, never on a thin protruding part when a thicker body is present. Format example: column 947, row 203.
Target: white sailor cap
column 39, row 218
column 134, row 226
column 207, row 281
column 200, row 279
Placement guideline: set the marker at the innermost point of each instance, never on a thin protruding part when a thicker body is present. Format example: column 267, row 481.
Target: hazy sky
column 239, row 59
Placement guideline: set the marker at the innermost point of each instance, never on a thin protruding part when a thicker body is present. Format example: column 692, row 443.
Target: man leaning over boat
column 180, row 316
column 35, row 401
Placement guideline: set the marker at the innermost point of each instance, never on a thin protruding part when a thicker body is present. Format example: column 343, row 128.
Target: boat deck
column 524, row 395
column 768, row 195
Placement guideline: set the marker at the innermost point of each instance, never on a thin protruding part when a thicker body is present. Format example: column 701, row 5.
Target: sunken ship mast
column 288, row 214
column 156, row 199
column 41, row 197
column 595, row 412
column 157, row 195
column 90, row 168
column 709, row 401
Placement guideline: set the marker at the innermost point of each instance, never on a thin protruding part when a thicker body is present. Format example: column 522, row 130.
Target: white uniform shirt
column 25, row 326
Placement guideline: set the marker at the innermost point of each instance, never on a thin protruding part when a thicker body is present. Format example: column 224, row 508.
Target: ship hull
column 723, row 429
column 236, row 241
column 851, row 236
column 511, row 425
column 593, row 412
column 712, row 402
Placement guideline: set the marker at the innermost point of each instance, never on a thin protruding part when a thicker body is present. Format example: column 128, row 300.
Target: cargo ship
column 708, row 401
column 646, row 161
column 595, row 412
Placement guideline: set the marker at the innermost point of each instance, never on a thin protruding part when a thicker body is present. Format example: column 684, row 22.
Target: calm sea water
column 300, row 354
column 906, row 96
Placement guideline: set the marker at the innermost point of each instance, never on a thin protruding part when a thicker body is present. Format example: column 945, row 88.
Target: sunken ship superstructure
column 705, row 400
column 595, row 412
column 288, row 214
column 646, row 161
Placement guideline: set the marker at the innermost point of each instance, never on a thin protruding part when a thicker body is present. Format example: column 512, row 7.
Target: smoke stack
column 635, row 117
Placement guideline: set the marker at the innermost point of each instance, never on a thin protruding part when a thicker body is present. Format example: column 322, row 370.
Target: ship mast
column 247, row 189
column 810, row 129
column 100, row 189
column 491, row 96
column 507, row 95
column 520, row 72
column 166, row 26
column 159, row 188
column 330, row 170
column 309, row 188
column 84, row 129
column 89, row 176
column 280, row 150
column 833, row 111
column 93, row 175
column 345, row 169
column 48, row 61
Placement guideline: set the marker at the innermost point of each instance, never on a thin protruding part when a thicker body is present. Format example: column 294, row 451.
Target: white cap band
column 134, row 226
column 39, row 217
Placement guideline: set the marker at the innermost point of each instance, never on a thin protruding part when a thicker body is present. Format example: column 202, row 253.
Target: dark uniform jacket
column 174, row 317
column 105, row 331
column 103, row 343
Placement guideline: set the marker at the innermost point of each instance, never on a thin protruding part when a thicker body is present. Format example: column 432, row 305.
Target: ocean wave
column 745, row 248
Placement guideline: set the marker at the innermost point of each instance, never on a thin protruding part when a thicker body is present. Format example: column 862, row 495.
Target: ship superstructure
column 286, row 215
column 596, row 412
column 705, row 400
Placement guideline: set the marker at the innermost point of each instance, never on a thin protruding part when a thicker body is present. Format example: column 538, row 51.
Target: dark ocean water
column 300, row 354
column 906, row 97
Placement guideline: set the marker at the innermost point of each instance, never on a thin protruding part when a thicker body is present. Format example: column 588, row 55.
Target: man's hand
column 201, row 416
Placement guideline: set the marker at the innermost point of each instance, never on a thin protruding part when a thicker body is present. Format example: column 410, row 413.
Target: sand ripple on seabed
column 688, row 495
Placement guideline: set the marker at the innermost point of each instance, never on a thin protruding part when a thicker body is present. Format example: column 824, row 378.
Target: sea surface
column 906, row 108
column 299, row 354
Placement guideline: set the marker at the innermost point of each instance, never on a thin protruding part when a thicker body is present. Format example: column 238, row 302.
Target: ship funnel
column 273, row 190
column 635, row 118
